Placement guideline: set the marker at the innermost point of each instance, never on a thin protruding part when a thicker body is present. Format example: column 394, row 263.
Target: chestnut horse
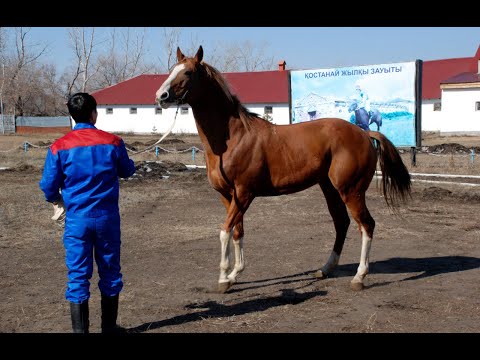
column 247, row 156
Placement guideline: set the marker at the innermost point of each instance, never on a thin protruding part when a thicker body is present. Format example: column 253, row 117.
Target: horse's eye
column 188, row 73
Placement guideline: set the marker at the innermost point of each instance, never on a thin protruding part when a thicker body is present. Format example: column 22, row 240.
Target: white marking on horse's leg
column 362, row 270
column 331, row 263
column 224, row 256
column 166, row 84
column 239, row 261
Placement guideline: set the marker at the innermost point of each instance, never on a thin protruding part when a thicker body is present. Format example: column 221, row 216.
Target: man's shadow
column 426, row 267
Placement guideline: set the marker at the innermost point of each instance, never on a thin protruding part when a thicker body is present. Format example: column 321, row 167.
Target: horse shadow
column 219, row 310
column 422, row 267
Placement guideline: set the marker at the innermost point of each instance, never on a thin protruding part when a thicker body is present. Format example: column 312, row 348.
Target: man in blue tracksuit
column 80, row 178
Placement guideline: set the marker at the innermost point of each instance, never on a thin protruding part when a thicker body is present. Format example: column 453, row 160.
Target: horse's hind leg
column 341, row 220
column 356, row 204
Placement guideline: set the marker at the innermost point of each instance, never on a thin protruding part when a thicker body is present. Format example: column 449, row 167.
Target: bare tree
column 83, row 44
column 53, row 103
column 18, row 69
column 24, row 57
column 223, row 57
column 3, row 45
column 253, row 58
column 244, row 56
column 171, row 39
column 124, row 59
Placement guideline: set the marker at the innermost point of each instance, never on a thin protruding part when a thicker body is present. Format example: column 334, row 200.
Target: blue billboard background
column 374, row 97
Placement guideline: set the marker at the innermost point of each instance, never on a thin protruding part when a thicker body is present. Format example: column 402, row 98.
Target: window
column 477, row 105
column 158, row 110
column 109, row 110
column 133, row 110
column 184, row 110
column 437, row 106
column 267, row 113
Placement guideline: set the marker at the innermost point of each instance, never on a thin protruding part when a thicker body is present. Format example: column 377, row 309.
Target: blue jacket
column 86, row 164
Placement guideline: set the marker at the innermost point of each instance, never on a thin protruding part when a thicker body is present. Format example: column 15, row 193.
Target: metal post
column 156, row 151
column 473, row 155
column 414, row 156
column 193, row 154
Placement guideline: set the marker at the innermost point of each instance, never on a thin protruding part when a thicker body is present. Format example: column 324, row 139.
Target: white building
column 451, row 95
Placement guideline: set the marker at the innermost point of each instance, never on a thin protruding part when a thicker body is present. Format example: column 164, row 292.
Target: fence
column 43, row 124
column 7, row 124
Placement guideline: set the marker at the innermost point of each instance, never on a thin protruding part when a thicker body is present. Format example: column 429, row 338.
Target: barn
column 450, row 99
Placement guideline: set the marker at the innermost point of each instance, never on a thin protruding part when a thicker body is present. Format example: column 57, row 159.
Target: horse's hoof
column 223, row 287
column 320, row 274
column 356, row 286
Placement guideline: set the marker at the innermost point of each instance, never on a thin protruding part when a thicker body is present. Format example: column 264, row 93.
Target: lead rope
column 163, row 137
column 168, row 131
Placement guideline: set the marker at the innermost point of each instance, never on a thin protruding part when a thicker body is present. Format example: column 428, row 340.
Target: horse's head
column 178, row 88
column 353, row 106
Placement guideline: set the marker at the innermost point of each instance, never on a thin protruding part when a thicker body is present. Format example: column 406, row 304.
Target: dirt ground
column 424, row 263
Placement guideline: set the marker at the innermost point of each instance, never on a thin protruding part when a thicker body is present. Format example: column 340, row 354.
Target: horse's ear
column 180, row 55
column 199, row 54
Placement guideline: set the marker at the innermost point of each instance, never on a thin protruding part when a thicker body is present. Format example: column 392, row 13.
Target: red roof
column 139, row 90
column 438, row 71
column 466, row 77
column 250, row 87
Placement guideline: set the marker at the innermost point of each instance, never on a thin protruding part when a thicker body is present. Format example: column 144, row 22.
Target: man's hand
column 59, row 211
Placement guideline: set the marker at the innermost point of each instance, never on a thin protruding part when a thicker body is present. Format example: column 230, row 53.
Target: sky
column 300, row 47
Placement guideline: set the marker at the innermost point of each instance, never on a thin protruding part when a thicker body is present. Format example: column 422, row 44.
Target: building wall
column 430, row 119
column 145, row 121
column 458, row 111
column 280, row 112
column 457, row 115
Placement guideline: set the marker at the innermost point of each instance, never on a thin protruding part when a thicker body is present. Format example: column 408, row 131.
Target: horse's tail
column 396, row 182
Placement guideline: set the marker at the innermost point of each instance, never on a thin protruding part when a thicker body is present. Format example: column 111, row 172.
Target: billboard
column 384, row 97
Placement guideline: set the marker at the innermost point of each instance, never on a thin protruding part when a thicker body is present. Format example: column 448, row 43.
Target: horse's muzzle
column 164, row 96
column 164, row 101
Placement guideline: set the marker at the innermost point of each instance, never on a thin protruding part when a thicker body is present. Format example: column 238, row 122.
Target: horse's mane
column 245, row 115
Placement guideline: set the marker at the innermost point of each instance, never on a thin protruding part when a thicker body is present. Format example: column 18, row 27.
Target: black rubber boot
column 79, row 313
column 109, row 315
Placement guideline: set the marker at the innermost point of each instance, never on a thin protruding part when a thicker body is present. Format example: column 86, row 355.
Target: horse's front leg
column 223, row 280
column 238, row 247
column 232, row 227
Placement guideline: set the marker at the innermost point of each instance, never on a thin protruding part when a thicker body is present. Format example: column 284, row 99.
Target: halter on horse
column 247, row 157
